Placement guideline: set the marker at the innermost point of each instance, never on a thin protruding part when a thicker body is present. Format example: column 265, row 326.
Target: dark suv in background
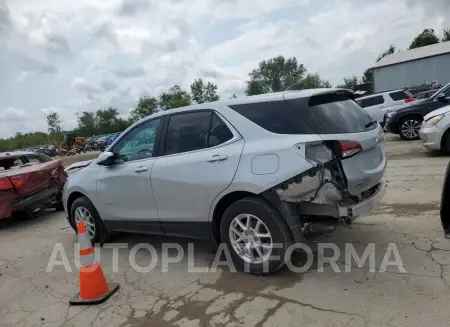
column 406, row 121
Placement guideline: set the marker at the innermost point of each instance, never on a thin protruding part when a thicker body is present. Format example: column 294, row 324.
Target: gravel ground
column 417, row 294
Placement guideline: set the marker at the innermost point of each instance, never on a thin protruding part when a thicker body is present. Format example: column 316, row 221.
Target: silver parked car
column 435, row 130
column 256, row 173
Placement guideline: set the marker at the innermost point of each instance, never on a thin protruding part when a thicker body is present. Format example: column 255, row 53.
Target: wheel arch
column 71, row 199
column 443, row 138
column 404, row 117
column 220, row 207
column 286, row 211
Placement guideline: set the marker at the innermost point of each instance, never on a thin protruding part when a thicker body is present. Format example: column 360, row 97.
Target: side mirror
column 106, row 159
column 442, row 97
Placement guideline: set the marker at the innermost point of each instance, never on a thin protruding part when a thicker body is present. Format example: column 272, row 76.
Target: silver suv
column 258, row 173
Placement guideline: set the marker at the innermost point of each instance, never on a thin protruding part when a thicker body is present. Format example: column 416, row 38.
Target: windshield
column 439, row 91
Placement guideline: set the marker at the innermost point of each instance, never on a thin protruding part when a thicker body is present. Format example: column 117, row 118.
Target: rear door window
column 219, row 132
column 333, row 114
column 275, row 116
column 400, row 95
column 370, row 102
column 187, row 132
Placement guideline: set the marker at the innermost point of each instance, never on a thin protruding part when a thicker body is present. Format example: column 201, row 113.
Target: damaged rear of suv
column 257, row 173
column 332, row 155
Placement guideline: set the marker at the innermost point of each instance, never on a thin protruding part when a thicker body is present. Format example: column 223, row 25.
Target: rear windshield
column 10, row 163
column 323, row 114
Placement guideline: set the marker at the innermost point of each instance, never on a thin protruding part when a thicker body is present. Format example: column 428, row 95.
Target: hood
column 439, row 111
column 77, row 165
column 408, row 106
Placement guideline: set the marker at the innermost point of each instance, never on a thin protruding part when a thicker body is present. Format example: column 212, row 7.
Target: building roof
column 414, row 54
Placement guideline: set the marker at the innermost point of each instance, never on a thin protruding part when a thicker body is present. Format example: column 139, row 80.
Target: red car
column 29, row 183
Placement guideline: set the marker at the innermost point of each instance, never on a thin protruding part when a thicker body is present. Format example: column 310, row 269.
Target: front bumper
column 431, row 137
column 389, row 126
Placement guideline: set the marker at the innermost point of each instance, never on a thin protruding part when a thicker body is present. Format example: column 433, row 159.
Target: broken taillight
column 5, row 184
column 17, row 182
column 349, row 148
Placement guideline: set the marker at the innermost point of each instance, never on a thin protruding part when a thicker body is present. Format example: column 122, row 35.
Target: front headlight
column 433, row 121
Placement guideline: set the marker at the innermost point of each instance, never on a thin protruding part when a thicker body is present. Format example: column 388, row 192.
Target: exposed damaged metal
column 317, row 198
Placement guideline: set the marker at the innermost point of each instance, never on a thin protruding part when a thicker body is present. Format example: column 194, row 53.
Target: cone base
column 76, row 300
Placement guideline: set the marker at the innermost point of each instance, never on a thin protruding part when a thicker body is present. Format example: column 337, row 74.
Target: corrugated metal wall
column 412, row 73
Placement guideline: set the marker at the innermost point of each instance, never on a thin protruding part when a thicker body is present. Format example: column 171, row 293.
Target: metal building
column 425, row 65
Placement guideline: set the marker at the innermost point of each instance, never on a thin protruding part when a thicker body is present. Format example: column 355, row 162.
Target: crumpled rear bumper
column 345, row 211
column 38, row 201
column 353, row 211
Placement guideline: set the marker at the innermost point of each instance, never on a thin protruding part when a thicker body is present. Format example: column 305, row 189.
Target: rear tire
column 264, row 220
column 94, row 224
column 409, row 128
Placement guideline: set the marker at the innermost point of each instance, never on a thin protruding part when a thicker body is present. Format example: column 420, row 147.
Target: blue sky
column 66, row 57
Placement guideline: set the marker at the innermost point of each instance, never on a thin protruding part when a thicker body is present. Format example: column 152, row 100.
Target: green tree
column 201, row 92
column 87, row 123
column 146, row 107
column 314, row 81
column 274, row 75
column 349, row 83
column 367, row 76
column 427, row 37
column 446, row 36
column 107, row 120
column 54, row 123
column 389, row 51
column 174, row 98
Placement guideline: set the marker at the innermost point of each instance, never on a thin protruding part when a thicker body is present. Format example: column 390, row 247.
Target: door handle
column 140, row 169
column 218, row 157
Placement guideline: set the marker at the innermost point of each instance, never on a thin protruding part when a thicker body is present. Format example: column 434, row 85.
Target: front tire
column 83, row 210
column 409, row 128
column 256, row 234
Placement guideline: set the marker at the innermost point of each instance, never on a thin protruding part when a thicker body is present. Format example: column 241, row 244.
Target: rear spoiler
column 329, row 97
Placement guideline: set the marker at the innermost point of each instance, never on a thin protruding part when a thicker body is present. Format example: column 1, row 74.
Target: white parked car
column 378, row 104
column 435, row 130
column 256, row 173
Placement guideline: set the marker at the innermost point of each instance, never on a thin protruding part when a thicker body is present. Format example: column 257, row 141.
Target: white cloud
column 72, row 56
column 14, row 114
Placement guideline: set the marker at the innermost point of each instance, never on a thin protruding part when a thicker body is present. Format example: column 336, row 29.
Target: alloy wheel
column 410, row 128
column 250, row 238
column 83, row 214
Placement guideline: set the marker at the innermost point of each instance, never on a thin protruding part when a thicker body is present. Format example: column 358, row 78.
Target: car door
column 124, row 189
column 201, row 155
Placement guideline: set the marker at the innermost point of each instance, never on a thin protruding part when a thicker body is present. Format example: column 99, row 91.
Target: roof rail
column 295, row 87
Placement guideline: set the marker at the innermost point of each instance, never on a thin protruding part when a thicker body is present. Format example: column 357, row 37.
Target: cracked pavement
column 408, row 217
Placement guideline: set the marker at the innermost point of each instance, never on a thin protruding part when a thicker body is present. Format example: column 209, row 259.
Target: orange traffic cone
column 94, row 288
